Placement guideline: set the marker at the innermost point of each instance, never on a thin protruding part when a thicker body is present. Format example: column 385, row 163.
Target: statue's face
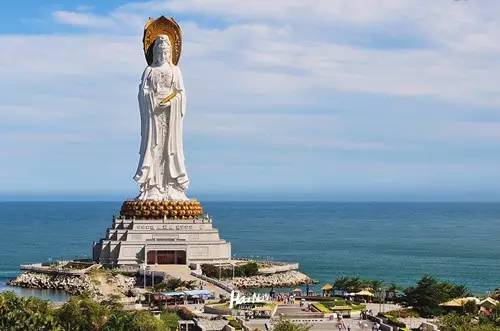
column 162, row 46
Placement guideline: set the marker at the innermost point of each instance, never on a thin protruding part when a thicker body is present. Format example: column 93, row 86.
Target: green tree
column 118, row 320
column 349, row 284
column 145, row 321
column 376, row 285
column 18, row 313
column 170, row 320
column 471, row 308
column 285, row 325
column 82, row 313
column 246, row 270
column 455, row 322
column 495, row 315
column 496, row 294
column 426, row 296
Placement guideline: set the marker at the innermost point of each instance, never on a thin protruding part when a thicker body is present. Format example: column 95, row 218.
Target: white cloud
column 81, row 19
column 265, row 75
column 298, row 131
column 354, row 11
column 295, row 46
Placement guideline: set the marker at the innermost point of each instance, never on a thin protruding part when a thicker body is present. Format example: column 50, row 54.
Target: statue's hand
column 167, row 99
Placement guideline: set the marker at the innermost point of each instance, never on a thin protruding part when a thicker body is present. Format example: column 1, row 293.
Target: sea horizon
column 397, row 242
column 265, row 200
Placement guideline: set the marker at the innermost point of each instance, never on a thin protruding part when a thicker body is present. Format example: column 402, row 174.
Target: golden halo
column 166, row 26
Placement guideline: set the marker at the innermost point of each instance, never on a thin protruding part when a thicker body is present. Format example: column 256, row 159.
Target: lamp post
column 143, row 268
column 149, row 296
column 144, row 265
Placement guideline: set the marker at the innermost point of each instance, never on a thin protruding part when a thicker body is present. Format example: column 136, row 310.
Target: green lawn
column 320, row 307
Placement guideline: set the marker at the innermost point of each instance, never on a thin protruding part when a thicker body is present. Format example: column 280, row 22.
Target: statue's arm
column 143, row 86
column 144, row 98
column 180, row 91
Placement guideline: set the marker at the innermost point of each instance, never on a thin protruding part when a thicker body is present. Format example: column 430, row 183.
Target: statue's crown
column 162, row 26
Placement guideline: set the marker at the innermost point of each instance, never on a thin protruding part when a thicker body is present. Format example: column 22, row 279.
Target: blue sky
column 332, row 100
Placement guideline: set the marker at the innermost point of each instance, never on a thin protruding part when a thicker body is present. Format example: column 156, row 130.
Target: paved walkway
column 295, row 314
column 378, row 307
column 318, row 325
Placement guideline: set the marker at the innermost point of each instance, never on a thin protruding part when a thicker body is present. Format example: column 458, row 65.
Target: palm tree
column 376, row 285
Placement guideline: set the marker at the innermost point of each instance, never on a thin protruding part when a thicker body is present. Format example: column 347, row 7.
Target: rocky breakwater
column 282, row 279
column 71, row 284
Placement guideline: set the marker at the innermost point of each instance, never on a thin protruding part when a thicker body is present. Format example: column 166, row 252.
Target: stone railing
column 226, row 287
column 56, row 269
column 382, row 322
column 279, row 268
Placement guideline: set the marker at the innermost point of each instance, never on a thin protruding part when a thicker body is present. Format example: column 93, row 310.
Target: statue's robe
column 162, row 169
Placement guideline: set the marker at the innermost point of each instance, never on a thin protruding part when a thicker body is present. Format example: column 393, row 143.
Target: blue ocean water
column 394, row 242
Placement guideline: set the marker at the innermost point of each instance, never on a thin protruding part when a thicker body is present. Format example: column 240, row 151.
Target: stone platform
column 131, row 241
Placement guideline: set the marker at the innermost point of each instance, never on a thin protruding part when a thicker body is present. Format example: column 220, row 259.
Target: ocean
column 393, row 242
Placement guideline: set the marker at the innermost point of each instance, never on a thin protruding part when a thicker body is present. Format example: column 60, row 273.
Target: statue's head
column 162, row 50
column 170, row 31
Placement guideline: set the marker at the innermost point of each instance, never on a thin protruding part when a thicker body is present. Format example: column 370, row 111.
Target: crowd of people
column 286, row 298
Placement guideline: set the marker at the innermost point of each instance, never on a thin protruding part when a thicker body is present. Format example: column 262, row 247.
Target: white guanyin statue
column 161, row 173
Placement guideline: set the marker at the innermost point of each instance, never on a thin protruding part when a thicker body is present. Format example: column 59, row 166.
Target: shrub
column 172, row 283
column 284, row 325
column 244, row 270
column 455, row 322
column 337, row 302
column 235, row 324
column 358, row 307
column 403, row 313
column 341, row 302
